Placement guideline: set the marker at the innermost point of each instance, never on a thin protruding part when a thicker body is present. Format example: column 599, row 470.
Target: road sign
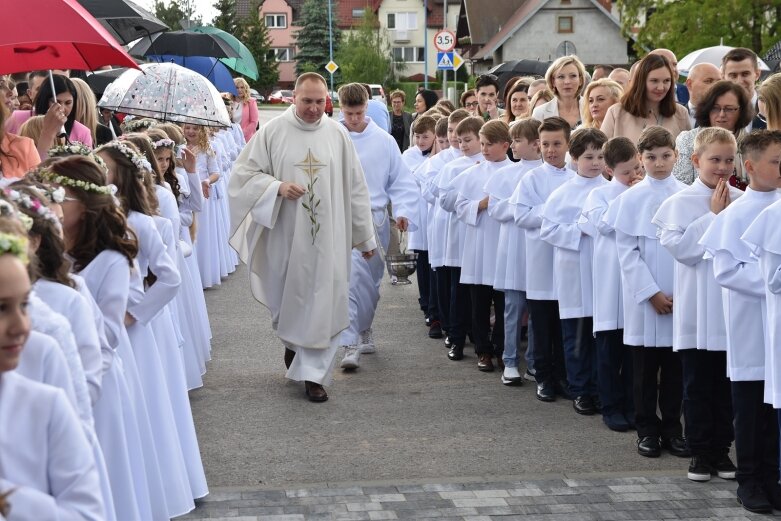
column 331, row 67
column 458, row 61
column 445, row 61
column 445, row 41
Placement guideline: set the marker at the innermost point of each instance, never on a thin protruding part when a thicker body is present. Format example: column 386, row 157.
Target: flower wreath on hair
column 165, row 142
column 137, row 159
column 77, row 149
column 14, row 244
column 9, row 210
column 134, row 125
column 51, row 177
column 23, row 200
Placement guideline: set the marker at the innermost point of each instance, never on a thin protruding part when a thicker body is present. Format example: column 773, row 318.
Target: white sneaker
column 366, row 343
column 511, row 376
column 352, row 356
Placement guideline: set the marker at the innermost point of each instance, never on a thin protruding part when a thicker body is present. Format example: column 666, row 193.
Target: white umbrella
column 709, row 55
column 167, row 92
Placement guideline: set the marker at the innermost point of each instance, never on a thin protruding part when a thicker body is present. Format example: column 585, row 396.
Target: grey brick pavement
column 597, row 497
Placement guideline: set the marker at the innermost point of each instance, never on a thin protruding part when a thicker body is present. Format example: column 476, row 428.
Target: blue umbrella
column 213, row 69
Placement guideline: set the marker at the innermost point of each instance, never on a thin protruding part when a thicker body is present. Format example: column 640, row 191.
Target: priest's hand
column 368, row 254
column 402, row 224
column 291, row 191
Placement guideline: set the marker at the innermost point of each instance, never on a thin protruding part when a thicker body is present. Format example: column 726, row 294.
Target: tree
column 312, row 38
column 175, row 11
column 226, row 17
column 365, row 54
column 687, row 26
column 254, row 35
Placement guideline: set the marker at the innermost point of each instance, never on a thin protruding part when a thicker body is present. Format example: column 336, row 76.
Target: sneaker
column 511, row 376
column 352, row 357
column 528, row 375
column 700, row 469
column 724, row 467
column 366, row 343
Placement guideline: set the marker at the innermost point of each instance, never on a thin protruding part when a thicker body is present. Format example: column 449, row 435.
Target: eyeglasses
column 471, row 105
column 726, row 110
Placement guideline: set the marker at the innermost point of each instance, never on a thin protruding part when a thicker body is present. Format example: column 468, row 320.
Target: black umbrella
column 125, row 20
column 98, row 81
column 506, row 71
column 184, row 43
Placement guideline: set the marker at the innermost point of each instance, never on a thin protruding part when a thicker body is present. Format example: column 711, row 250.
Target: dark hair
column 738, row 54
column 430, row 98
column 619, row 150
column 151, row 178
column 584, row 138
column 655, row 137
column 516, row 85
column 556, row 123
column 423, row 124
column 634, row 99
column 354, row 94
column 441, row 127
column 467, row 94
column 446, row 103
column 104, row 226
column 62, row 84
column 714, row 92
column 169, row 175
column 607, row 68
column 756, row 142
column 128, row 179
column 486, row 80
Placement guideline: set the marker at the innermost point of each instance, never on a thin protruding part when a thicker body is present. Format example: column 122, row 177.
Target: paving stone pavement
column 585, row 497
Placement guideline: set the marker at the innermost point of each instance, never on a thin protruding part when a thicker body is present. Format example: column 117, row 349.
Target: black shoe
column 700, row 469
column 753, row 498
column 676, row 446
column 448, row 343
column 773, row 492
column 546, row 392
column 428, row 321
column 648, row 446
column 456, row 352
column 615, row 422
column 597, row 403
column 435, row 330
column 723, row 466
column 562, row 389
column 584, row 405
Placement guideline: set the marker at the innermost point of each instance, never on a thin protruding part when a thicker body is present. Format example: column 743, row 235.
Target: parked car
column 378, row 92
column 257, row 96
column 281, row 96
column 329, row 106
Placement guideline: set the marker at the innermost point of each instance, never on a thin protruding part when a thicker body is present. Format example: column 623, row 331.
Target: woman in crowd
column 425, row 100
column 599, row 96
column 245, row 110
column 770, row 97
column 469, row 102
column 516, row 100
column 565, row 79
column 17, row 153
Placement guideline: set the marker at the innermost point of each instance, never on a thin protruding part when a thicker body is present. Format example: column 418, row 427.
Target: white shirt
column 414, row 159
column 448, row 193
column 437, row 217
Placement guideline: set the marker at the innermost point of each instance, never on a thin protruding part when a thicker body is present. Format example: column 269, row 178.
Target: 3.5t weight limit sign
column 445, row 41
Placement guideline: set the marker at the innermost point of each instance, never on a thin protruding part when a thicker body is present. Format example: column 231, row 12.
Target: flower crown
column 77, row 149
column 165, row 142
column 16, row 245
column 134, row 125
column 9, row 210
column 137, row 159
column 23, row 200
column 51, row 177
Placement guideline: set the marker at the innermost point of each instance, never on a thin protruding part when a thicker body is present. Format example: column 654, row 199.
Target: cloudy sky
column 202, row 7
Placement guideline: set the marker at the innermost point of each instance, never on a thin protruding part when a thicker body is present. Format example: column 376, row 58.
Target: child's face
column 163, row 156
column 765, row 171
column 524, row 149
column 591, row 162
column 658, row 162
column 493, row 151
column 442, row 142
column 190, row 132
column 14, row 319
column 424, row 141
column 452, row 137
column 469, row 143
column 629, row 172
column 554, row 146
column 716, row 162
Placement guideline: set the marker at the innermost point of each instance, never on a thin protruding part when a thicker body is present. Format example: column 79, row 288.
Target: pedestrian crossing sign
column 449, row 61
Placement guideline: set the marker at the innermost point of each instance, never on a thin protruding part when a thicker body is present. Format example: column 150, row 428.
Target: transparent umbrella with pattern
column 168, row 92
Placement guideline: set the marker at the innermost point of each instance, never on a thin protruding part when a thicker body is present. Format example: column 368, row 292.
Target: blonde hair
column 32, row 128
column 561, row 63
column 496, row 131
column 470, row 125
column 86, row 111
column 613, row 88
column 526, row 128
column 770, row 93
column 544, row 94
column 202, row 141
column 713, row 135
column 243, row 83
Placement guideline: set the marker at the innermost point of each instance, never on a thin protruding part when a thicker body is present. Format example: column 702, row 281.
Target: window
column 276, row 21
column 284, row 54
column 409, row 54
column 358, row 13
column 403, row 21
column 565, row 24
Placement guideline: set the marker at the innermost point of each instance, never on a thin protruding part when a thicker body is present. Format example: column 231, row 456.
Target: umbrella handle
column 54, row 100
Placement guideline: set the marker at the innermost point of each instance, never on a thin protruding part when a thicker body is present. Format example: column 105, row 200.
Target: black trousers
column 426, row 288
column 442, row 280
column 460, row 308
column 614, row 373
column 548, row 346
column 707, row 401
column 657, row 379
column 487, row 341
column 756, row 434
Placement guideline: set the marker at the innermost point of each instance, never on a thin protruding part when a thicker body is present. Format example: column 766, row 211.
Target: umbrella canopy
column 168, row 92
column 214, row 70
column 102, row 79
column 245, row 63
column 67, row 37
column 125, row 20
column 709, row 55
column 183, row 43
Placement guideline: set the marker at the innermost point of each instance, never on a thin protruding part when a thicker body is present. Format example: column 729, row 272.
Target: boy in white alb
column 388, row 180
column 478, row 258
column 534, row 190
column 510, row 272
column 699, row 335
column 614, row 358
column 572, row 252
column 647, row 280
column 743, row 294
column 460, row 303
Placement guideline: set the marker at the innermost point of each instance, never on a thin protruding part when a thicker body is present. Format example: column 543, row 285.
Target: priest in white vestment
column 299, row 205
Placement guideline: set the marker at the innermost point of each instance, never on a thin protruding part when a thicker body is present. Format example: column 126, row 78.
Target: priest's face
column 14, row 320
column 309, row 99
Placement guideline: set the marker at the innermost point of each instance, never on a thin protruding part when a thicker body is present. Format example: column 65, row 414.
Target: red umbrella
column 55, row 34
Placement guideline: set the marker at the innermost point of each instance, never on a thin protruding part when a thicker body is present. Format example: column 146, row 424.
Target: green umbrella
column 245, row 63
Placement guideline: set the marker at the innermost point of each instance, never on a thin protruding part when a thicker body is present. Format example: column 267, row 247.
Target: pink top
column 78, row 133
column 249, row 118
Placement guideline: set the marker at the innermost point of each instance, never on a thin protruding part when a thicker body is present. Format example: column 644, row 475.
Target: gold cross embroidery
column 311, row 166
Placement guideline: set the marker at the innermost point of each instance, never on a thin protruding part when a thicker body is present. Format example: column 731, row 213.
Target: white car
column 378, row 92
